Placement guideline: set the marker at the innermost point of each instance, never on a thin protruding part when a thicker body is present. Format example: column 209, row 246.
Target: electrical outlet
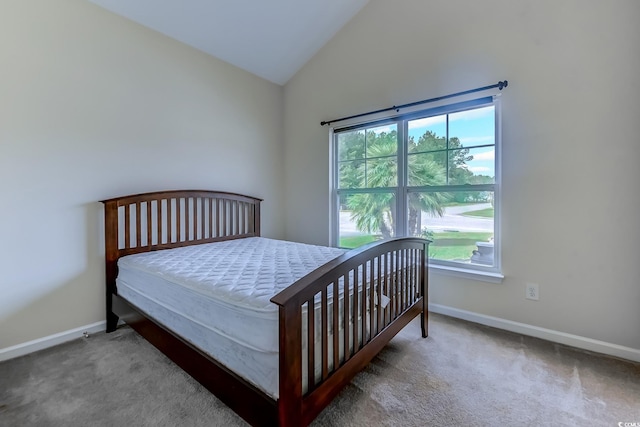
column 532, row 291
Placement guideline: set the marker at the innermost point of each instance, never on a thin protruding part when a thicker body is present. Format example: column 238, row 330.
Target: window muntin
column 442, row 183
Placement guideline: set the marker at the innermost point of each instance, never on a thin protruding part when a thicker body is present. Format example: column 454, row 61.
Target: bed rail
column 362, row 299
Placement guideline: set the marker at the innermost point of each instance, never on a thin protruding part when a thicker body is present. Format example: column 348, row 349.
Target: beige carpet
column 462, row 375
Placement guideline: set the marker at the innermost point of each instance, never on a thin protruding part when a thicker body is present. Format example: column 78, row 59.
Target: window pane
column 351, row 174
column 427, row 169
column 382, row 172
column 472, row 166
column 351, row 145
column 427, row 134
column 460, row 224
column 382, row 141
column 365, row 217
column 472, row 127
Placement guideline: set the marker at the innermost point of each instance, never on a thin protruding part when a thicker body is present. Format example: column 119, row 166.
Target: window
column 432, row 173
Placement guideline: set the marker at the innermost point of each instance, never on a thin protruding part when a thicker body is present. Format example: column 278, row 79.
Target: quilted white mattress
column 217, row 296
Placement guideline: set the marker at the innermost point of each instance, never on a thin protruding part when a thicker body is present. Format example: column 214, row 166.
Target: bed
column 286, row 325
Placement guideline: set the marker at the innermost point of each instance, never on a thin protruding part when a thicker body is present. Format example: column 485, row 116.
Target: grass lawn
column 351, row 242
column 456, row 245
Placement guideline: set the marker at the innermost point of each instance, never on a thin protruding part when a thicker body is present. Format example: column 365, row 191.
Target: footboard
column 336, row 319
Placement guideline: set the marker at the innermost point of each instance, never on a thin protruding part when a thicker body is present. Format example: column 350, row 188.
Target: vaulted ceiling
column 270, row 38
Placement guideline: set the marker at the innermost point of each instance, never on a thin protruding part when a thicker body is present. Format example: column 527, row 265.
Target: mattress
column 217, row 297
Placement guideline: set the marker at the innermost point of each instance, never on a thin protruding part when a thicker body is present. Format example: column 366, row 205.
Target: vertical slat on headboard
column 149, row 232
column 138, row 225
column 245, row 211
column 187, row 215
column 178, row 220
column 218, row 218
column 224, row 218
column 169, row 220
column 202, row 219
column 195, row 218
column 159, row 220
column 127, row 226
column 211, row 214
column 237, row 221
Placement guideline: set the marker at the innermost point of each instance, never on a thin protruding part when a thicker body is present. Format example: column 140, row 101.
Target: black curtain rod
column 500, row 85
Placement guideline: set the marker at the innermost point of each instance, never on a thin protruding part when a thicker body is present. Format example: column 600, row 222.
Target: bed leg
column 112, row 321
column 424, row 285
column 424, row 323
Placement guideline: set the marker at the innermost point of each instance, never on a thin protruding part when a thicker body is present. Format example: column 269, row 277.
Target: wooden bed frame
column 395, row 268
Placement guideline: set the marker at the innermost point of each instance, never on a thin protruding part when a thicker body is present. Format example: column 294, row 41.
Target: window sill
column 484, row 276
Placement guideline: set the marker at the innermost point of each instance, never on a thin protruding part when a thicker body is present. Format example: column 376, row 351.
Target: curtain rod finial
column 502, row 85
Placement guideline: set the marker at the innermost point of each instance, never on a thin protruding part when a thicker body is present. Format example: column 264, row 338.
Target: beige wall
column 570, row 143
column 93, row 106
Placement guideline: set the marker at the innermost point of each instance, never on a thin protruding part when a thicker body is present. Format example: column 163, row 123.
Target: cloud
column 476, row 113
column 380, row 129
column 478, row 169
column 485, row 155
column 477, row 140
column 426, row 122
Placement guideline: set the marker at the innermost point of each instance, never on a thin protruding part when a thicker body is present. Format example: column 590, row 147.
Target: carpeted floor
column 462, row 375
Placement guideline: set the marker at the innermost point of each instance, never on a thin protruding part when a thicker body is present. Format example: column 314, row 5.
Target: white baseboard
column 546, row 334
column 50, row 341
column 496, row 322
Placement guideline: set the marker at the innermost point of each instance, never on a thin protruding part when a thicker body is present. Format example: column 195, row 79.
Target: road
column 451, row 220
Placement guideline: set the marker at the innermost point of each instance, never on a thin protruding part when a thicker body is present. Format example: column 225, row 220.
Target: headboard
column 170, row 219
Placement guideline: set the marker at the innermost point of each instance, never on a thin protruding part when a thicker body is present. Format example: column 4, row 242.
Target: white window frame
column 466, row 270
